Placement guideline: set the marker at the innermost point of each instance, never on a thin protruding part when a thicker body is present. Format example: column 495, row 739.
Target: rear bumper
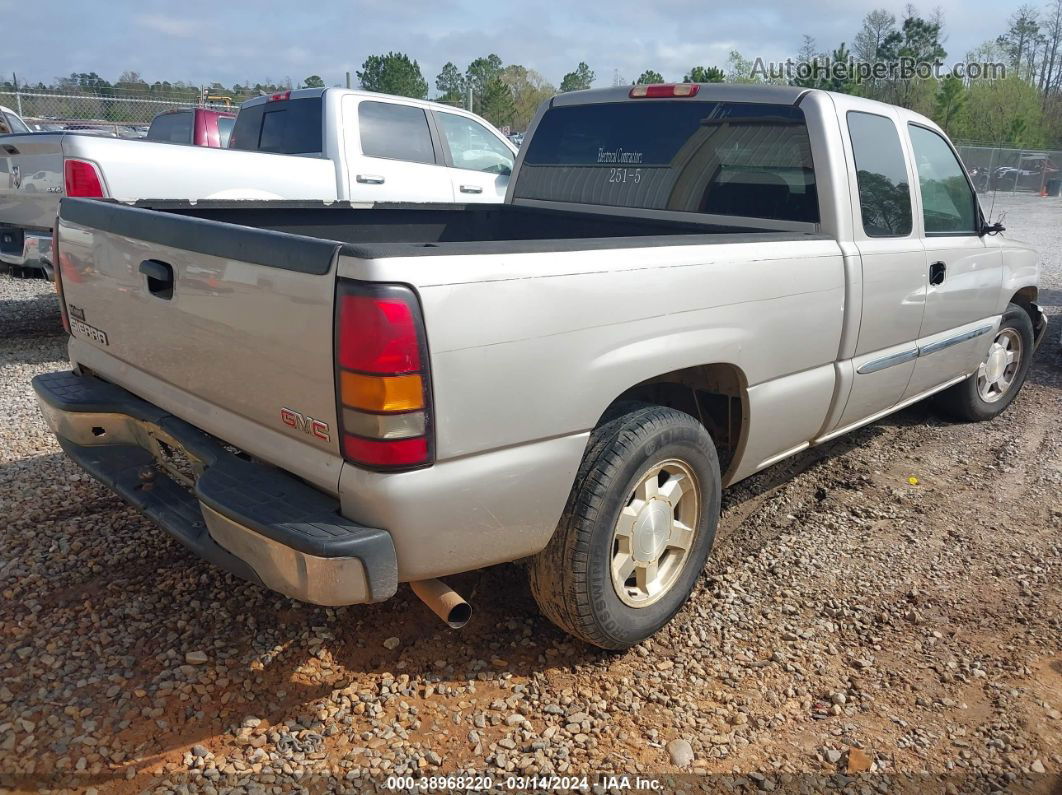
column 248, row 518
column 24, row 249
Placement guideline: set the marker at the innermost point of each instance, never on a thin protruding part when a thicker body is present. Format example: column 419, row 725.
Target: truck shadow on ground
column 25, row 316
column 126, row 603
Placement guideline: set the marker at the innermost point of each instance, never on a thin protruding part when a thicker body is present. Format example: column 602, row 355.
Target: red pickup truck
column 198, row 126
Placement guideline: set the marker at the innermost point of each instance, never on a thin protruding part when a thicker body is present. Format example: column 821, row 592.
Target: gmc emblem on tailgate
column 300, row 422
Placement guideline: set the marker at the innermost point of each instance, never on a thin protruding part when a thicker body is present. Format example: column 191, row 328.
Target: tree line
column 1020, row 105
column 1022, row 109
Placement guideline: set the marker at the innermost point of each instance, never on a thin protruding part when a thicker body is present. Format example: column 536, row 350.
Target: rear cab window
column 723, row 158
column 881, row 175
column 174, row 128
column 287, row 126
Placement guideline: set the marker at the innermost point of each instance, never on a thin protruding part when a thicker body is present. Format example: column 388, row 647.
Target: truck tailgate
column 223, row 326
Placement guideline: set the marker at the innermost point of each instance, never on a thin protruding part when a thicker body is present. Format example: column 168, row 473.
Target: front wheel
column 999, row 377
column 636, row 531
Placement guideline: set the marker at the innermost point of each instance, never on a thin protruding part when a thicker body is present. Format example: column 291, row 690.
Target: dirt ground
column 886, row 605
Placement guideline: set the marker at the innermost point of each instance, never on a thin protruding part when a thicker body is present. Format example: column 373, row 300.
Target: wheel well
column 713, row 394
column 1025, row 298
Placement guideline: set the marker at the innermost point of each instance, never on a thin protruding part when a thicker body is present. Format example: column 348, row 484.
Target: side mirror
column 991, row 229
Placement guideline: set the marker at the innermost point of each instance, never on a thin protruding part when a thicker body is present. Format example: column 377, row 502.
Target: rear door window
column 288, row 126
column 395, row 132
column 724, row 158
column 174, row 128
column 881, row 175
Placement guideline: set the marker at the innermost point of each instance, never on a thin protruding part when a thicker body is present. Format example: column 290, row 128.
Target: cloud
column 171, row 26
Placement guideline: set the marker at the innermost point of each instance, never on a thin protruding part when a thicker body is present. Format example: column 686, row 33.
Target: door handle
column 471, row 189
column 937, row 272
column 159, row 277
column 370, row 179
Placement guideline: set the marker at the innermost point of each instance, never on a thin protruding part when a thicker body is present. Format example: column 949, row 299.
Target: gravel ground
column 847, row 621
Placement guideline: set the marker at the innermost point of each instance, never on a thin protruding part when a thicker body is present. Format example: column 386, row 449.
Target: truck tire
column 636, row 531
column 996, row 382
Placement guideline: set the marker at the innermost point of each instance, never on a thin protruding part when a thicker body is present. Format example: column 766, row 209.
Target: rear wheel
column 999, row 377
column 637, row 529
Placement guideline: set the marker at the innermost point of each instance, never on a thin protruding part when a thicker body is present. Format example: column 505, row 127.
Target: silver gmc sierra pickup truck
column 685, row 284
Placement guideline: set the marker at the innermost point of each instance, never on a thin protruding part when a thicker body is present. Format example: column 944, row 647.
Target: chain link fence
column 116, row 115
column 995, row 168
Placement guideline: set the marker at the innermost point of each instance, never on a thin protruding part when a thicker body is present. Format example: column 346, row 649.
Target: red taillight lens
column 380, row 333
column 658, row 90
column 382, row 387
column 280, row 96
column 82, row 179
column 385, row 454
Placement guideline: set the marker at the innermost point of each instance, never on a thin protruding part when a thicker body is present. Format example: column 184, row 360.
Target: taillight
column 382, row 385
column 280, row 96
column 82, row 179
column 664, row 90
column 58, row 271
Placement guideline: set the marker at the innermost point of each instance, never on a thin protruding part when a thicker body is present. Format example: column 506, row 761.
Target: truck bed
column 403, row 230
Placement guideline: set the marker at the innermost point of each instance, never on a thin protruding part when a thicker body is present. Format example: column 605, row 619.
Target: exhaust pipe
column 444, row 601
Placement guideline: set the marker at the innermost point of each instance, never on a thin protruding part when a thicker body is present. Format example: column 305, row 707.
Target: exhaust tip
column 459, row 615
column 444, row 601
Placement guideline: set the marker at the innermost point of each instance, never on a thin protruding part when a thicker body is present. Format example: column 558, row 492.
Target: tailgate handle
column 159, row 277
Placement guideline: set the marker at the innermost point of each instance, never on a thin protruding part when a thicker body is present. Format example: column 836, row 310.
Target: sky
column 229, row 41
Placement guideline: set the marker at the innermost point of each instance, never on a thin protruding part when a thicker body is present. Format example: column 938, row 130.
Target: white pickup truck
column 686, row 284
column 326, row 144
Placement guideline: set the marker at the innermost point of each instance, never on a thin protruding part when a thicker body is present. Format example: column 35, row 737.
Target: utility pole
column 348, row 79
column 18, row 96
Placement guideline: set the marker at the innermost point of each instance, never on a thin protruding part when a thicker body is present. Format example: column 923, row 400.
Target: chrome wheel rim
column 654, row 533
column 996, row 374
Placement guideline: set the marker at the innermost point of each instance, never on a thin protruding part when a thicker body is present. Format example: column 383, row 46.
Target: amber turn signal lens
column 381, row 392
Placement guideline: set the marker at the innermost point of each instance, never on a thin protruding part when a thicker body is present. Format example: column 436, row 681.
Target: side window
column 225, row 125
column 948, row 204
column 13, row 123
column 881, row 175
column 473, row 146
column 397, row 132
